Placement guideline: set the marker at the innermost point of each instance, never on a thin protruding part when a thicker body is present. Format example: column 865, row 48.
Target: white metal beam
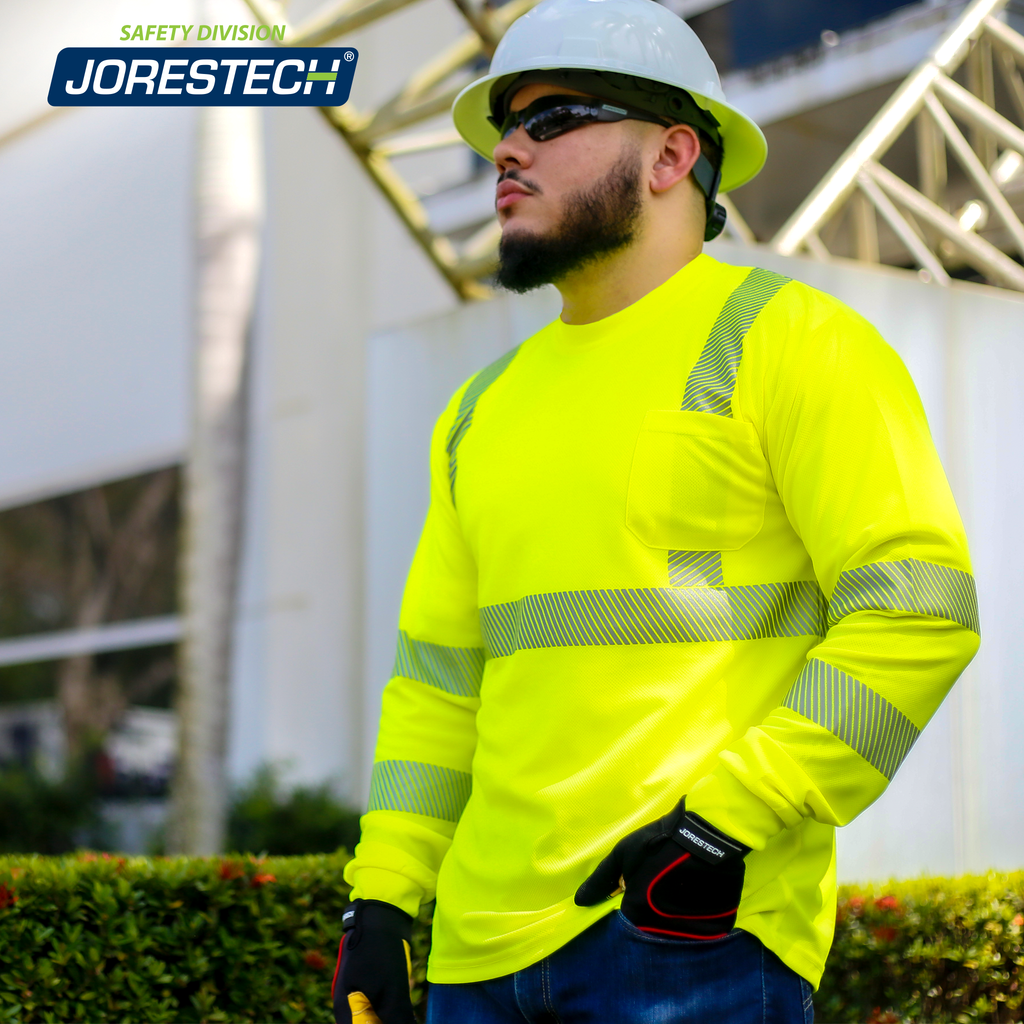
column 926, row 94
column 969, row 107
column 976, row 169
column 885, row 126
column 906, row 234
column 979, row 253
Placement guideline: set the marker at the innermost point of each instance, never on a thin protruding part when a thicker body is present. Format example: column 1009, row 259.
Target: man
column 691, row 583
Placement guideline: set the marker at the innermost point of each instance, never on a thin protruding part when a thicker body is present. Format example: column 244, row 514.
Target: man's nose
column 515, row 150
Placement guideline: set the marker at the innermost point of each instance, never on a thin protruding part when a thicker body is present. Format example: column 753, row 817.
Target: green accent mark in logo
column 322, row 76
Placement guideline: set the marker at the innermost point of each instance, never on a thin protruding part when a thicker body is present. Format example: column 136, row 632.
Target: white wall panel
column 95, row 300
column 296, row 694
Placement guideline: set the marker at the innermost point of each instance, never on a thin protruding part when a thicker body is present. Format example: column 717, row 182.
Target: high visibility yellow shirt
column 703, row 546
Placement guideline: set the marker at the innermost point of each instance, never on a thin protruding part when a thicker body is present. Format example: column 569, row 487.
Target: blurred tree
column 266, row 818
column 105, row 554
column 40, row 815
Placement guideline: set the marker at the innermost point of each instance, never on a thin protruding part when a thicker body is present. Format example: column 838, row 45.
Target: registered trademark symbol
column 350, row 55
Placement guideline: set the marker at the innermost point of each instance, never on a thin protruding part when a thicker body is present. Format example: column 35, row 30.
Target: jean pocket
column 643, row 935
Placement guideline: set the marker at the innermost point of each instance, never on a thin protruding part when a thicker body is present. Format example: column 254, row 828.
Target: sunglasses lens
column 551, row 122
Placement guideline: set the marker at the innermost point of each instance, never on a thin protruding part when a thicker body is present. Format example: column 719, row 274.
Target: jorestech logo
column 171, row 76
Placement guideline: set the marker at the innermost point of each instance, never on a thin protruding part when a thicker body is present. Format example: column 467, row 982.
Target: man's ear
column 680, row 147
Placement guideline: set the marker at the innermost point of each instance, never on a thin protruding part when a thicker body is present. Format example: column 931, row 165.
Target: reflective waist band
column 585, row 618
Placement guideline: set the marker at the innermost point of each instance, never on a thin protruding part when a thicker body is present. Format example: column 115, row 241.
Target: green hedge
column 99, row 938
column 91, row 938
column 935, row 949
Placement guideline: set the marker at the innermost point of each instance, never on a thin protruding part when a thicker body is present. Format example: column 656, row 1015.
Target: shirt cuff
column 379, row 884
column 721, row 799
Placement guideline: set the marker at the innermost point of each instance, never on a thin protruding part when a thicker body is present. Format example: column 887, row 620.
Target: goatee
column 597, row 221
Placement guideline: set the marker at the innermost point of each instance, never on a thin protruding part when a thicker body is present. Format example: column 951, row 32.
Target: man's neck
column 617, row 281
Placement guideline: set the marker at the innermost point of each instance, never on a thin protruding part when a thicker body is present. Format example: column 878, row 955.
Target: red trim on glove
column 680, row 935
column 681, row 917
column 337, row 969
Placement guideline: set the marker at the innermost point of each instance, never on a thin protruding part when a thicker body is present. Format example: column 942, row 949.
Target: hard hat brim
column 744, row 145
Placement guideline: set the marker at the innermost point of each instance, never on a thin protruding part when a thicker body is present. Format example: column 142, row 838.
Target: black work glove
column 373, row 965
column 683, row 878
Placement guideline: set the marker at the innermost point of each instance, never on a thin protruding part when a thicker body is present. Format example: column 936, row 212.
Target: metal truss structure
column 377, row 136
column 939, row 222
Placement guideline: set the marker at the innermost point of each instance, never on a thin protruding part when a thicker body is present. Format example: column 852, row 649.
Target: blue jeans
column 615, row 974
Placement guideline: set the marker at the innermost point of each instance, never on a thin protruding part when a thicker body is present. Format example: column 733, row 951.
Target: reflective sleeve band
column 419, row 788
column 856, row 714
column 464, row 417
column 456, row 670
column 713, row 378
column 907, row 586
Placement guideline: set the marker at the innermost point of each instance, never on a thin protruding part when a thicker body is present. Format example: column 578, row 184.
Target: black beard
column 597, row 221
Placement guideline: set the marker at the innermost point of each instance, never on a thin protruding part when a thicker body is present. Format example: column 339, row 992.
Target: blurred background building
column 261, row 500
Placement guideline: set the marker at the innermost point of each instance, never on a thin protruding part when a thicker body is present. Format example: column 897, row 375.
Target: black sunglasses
column 551, row 116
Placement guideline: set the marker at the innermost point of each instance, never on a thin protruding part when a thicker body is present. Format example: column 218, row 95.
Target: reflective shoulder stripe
column 464, row 417
column 457, row 670
column 709, row 389
column 585, row 618
column 419, row 788
column 713, row 378
column 909, row 585
column 856, row 714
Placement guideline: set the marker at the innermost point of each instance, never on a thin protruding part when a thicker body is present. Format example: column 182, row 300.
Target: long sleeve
column 848, row 447
column 421, row 774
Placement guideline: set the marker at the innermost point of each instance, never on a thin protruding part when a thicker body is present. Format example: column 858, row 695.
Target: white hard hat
column 630, row 37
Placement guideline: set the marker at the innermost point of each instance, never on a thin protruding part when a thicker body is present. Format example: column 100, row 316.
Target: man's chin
column 523, row 260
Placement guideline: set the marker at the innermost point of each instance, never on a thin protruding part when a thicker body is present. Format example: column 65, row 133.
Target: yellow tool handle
column 362, row 1011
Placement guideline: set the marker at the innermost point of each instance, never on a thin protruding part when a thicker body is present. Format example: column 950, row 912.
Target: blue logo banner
column 230, row 76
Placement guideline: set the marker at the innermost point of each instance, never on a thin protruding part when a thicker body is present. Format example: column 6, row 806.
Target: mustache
column 513, row 174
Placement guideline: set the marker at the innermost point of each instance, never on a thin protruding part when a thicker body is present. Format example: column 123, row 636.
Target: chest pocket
column 697, row 482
